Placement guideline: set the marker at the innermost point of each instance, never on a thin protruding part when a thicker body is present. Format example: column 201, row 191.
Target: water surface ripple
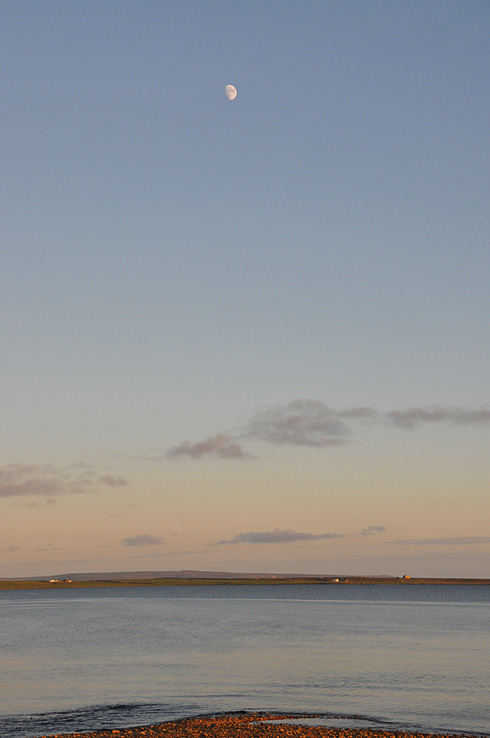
column 415, row 657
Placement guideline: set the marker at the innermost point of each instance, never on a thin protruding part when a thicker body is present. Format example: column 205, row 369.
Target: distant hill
column 183, row 574
column 203, row 578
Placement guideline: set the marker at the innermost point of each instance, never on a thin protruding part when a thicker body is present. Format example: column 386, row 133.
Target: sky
column 245, row 335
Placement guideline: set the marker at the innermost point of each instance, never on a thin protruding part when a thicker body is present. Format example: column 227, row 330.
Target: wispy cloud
column 9, row 549
column 459, row 541
column 221, row 446
column 372, row 530
column 46, row 480
column 49, row 502
column 304, row 422
column 437, row 414
column 143, row 539
column 279, row 536
column 19, row 480
column 291, row 536
column 359, row 413
column 299, row 423
column 111, row 481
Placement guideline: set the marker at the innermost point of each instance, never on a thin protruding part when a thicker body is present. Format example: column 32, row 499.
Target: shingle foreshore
column 248, row 725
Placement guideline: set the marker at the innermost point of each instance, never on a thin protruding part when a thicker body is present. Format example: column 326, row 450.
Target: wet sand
column 248, row 725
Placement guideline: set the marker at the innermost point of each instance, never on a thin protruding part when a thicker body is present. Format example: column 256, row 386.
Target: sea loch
column 411, row 657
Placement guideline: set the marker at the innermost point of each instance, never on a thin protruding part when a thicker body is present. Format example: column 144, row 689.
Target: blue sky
column 198, row 295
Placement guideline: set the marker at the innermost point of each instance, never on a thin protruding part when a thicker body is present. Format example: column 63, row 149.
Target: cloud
column 359, row 413
column 50, row 502
column 19, row 480
column 371, row 530
column 111, row 481
column 291, row 536
column 46, row 480
column 299, row 423
column 460, row 541
column 279, row 536
column 9, row 549
column 143, row 540
column 313, row 423
column 221, row 446
column 437, row 414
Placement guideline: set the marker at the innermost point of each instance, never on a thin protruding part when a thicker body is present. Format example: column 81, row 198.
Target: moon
column 230, row 92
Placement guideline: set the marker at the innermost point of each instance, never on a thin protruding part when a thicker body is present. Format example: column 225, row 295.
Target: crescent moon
column 230, row 92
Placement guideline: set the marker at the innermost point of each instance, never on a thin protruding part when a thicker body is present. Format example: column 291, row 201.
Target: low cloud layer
column 279, row 536
column 46, row 480
column 292, row 536
column 143, row 540
column 221, row 446
column 312, row 423
column 437, row 414
column 459, row 541
column 372, row 530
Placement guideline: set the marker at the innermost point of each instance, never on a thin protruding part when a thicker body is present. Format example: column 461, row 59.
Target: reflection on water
column 418, row 656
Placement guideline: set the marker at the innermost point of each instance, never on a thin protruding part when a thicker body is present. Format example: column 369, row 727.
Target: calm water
column 410, row 656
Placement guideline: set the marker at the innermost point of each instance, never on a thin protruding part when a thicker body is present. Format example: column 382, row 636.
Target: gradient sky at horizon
column 245, row 335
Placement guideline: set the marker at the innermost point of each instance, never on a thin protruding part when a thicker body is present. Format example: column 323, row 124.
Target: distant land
column 206, row 578
column 183, row 574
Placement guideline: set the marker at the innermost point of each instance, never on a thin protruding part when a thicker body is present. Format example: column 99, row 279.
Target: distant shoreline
column 19, row 584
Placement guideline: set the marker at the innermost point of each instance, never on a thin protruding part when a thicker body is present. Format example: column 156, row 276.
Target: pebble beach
column 248, row 725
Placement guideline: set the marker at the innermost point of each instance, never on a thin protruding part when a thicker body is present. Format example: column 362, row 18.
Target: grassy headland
column 12, row 584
